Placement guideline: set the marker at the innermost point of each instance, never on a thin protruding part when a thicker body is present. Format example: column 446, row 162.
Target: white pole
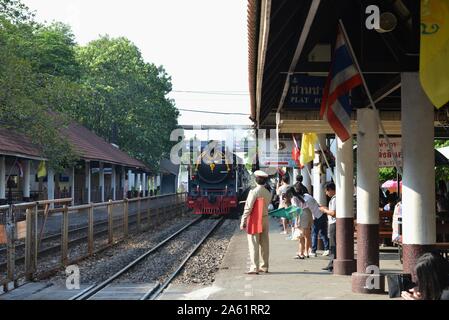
column 344, row 179
column 418, row 181
column 27, row 180
column 367, row 168
column 318, row 177
column 2, row 178
column 307, row 178
column 51, row 185
column 101, row 180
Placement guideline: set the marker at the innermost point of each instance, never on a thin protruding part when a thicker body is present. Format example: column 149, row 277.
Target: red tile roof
column 88, row 144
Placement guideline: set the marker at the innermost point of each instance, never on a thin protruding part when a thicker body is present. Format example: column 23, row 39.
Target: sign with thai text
column 305, row 91
column 386, row 156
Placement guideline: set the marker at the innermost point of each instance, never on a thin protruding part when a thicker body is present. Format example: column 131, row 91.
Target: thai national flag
column 343, row 77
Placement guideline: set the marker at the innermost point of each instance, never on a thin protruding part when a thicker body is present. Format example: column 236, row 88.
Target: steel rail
column 152, row 294
column 103, row 284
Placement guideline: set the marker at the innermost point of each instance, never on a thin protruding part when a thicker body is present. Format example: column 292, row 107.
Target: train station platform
column 288, row 278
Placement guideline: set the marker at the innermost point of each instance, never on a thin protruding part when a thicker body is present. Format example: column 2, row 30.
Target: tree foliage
column 127, row 102
column 25, row 89
column 106, row 85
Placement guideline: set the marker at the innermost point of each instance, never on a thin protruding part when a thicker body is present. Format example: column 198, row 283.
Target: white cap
column 260, row 173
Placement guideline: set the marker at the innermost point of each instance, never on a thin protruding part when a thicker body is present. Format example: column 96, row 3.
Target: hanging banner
column 305, row 91
column 385, row 156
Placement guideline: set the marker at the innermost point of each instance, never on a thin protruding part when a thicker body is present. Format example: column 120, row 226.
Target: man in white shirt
column 332, row 220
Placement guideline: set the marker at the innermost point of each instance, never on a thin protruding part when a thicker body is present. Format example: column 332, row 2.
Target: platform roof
column 297, row 37
column 90, row 146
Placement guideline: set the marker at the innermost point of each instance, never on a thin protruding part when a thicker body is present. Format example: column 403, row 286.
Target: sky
column 202, row 44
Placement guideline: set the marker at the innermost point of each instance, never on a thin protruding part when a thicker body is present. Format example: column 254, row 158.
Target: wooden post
column 10, row 251
column 125, row 218
column 90, row 232
column 110, row 223
column 65, row 235
column 138, row 215
column 28, row 245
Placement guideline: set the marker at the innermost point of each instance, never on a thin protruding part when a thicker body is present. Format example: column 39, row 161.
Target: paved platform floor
column 288, row 278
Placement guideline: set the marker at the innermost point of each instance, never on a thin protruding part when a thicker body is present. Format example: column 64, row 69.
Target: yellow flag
column 307, row 148
column 434, row 56
column 41, row 170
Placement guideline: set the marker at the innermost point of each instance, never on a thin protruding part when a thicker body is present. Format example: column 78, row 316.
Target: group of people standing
column 314, row 221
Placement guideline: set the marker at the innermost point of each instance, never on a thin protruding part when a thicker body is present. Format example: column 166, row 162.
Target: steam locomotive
column 216, row 180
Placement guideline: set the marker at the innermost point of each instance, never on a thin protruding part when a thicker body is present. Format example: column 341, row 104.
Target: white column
column 130, row 180
column 367, row 168
column 344, row 179
column 50, row 184
column 138, row 182
column 306, row 172
column 123, row 181
column 418, row 190
column 72, row 184
column 101, row 180
column 319, row 178
column 144, row 183
column 88, row 181
column 113, row 182
column 2, row 178
column 26, row 179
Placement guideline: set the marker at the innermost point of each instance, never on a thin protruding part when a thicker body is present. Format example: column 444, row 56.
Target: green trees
column 106, row 85
column 127, row 102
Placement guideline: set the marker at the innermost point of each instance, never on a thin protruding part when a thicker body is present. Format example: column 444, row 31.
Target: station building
column 103, row 172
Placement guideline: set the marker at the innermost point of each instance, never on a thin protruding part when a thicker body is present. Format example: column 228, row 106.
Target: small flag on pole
column 343, row 76
column 307, row 148
column 41, row 170
column 296, row 152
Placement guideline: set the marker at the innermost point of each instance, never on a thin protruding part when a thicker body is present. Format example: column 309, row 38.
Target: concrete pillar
column 2, row 181
column 113, row 183
column 344, row 176
column 51, row 184
column 88, row 179
column 307, row 179
column 144, row 184
column 72, row 184
column 26, row 180
column 130, row 183
column 363, row 281
column 418, row 181
column 319, row 178
column 101, row 180
column 138, row 182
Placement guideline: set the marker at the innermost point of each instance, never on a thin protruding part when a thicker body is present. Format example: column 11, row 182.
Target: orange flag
column 255, row 218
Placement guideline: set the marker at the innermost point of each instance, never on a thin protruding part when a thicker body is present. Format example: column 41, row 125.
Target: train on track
column 217, row 180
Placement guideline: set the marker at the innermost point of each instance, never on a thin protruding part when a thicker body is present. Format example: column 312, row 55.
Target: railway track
column 75, row 240
column 119, row 285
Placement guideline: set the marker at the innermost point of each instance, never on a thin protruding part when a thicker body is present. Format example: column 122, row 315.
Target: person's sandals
column 252, row 272
column 299, row 257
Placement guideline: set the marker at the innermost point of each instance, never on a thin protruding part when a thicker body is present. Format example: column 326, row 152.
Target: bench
column 385, row 227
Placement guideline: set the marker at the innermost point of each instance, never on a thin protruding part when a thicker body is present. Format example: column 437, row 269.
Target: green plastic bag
column 289, row 213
